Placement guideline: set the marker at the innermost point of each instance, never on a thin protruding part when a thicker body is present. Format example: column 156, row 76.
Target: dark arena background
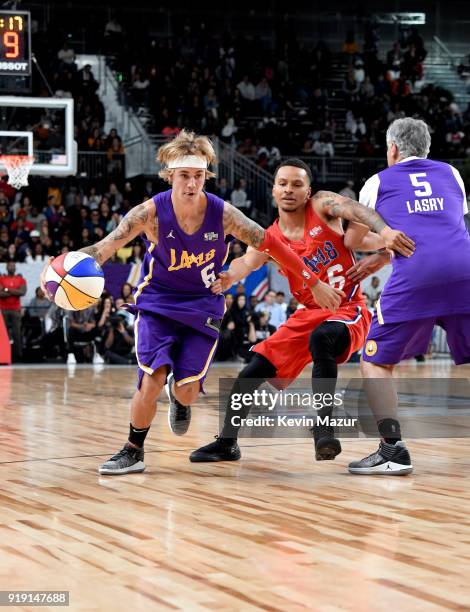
column 89, row 92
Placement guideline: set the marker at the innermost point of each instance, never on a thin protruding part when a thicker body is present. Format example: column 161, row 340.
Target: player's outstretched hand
column 43, row 279
column 367, row 266
column 398, row 241
column 223, row 283
column 326, row 296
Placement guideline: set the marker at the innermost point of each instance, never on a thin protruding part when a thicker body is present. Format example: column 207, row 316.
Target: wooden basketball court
column 276, row 531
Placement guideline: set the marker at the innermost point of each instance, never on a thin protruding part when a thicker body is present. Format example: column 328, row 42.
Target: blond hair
column 186, row 143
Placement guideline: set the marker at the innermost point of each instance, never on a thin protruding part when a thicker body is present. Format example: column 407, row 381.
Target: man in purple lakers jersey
column 178, row 316
column 426, row 200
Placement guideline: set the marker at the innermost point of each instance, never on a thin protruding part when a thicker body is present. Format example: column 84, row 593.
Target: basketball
column 74, row 281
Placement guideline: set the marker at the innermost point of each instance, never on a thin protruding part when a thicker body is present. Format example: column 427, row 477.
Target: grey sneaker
column 388, row 460
column 179, row 416
column 126, row 461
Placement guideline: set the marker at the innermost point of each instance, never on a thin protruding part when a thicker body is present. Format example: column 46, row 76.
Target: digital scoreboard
column 15, row 43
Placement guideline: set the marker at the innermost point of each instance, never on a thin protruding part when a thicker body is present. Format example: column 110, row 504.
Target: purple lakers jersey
column 426, row 200
column 178, row 271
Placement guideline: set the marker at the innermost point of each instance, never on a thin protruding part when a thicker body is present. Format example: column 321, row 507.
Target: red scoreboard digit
column 15, row 43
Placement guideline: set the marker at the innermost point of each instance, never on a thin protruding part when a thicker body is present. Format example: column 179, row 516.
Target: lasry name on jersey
column 425, row 205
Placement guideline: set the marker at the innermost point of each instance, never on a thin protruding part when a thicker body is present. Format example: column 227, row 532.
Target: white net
column 18, row 167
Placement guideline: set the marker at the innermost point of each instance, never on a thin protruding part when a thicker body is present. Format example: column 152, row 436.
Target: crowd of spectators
column 36, row 222
column 53, row 217
column 269, row 102
column 266, row 101
column 237, row 88
column 380, row 88
column 68, row 81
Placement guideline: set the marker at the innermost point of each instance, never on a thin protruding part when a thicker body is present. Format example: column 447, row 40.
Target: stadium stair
column 440, row 71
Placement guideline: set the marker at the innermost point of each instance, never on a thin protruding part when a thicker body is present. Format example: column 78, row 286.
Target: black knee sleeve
column 259, row 367
column 327, row 342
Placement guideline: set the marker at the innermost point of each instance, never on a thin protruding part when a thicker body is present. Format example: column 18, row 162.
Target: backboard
column 42, row 127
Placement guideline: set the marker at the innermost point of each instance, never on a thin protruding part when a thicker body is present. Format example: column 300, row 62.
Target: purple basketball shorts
column 161, row 341
column 390, row 343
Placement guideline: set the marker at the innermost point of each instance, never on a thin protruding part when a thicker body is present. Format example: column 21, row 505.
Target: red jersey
column 11, row 302
column 323, row 250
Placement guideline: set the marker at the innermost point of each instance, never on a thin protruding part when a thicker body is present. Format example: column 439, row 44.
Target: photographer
column 118, row 343
column 227, row 347
column 257, row 330
column 53, row 342
column 262, row 328
column 249, row 337
column 105, row 310
column 82, row 331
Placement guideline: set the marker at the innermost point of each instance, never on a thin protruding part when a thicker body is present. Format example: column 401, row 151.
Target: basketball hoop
column 18, row 167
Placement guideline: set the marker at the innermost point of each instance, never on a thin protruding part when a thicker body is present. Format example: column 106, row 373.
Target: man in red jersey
column 312, row 228
column 12, row 288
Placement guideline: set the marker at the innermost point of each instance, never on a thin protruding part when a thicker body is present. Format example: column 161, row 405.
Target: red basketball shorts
column 288, row 348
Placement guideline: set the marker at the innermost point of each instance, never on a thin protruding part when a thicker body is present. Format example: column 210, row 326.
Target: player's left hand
column 398, row 241
column 367, row 266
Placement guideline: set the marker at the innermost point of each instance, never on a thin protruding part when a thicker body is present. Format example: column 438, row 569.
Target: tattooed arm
column 246, row 230
column 243, row 228
column 141, row 219
column 333, row 205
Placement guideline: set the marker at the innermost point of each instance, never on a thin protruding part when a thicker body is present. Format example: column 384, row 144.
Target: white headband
column 188, row 161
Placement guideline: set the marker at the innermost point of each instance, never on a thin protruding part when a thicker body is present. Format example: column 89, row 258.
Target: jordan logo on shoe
column 388, row 467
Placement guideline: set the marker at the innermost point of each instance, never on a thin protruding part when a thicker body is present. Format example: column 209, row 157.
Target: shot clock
column 15, row 43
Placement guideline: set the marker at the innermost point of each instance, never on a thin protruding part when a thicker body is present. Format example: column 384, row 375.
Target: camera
column 116, row 320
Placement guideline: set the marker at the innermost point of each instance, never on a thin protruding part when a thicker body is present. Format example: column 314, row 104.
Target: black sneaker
column 216, row 451
column 326, row 445
column 389, row 460
column 179, row 416
column 127, row 460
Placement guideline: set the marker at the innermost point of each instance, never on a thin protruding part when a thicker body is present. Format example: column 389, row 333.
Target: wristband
column 287, row 259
